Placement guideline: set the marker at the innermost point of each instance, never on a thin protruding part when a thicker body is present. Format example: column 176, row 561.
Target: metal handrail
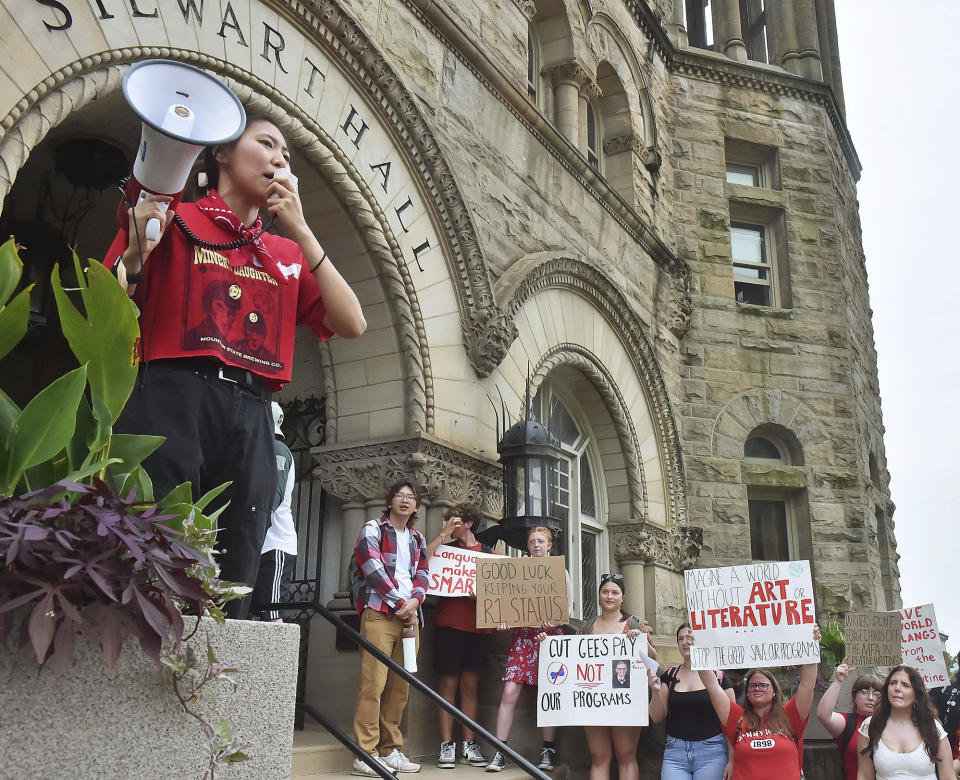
column 425, row 689
column 352, row 746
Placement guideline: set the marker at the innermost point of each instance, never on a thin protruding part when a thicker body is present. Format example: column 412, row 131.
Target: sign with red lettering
column 521, row 591
column 920, row 643
column 761, row 614
column 453, row 571
column 593, row 680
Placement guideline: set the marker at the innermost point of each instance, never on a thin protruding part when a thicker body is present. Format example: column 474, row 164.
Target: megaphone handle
column 152, row 231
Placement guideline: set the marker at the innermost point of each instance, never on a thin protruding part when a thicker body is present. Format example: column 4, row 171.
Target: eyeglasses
column 409, row 496
column 870, row 693
column 757, row 686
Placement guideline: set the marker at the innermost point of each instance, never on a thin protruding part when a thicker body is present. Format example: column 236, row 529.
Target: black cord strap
column 229, row 246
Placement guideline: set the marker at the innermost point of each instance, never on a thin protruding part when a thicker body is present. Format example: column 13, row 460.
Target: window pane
column 743, row 174
column 752, row 293
column 520, row 488
column 536, row 487
column 588, row 503
column 588, row 562
column 561, row 423
column 761, row 448
column 768, row 530
column 746, row 243
column 561, row 497
column 749, row 271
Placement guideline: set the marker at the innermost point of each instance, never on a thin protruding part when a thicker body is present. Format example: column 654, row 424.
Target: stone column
column 634, row 600
column 727, row 35
column 588, row 91
column 782, row 31
column 677, row 29
column 355, row 514
column 567, row 78
column 829, row 49
column 808, row 41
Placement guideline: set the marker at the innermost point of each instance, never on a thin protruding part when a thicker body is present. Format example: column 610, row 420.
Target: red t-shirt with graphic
column 195, row 302
column 762, row 755
column 460, row 612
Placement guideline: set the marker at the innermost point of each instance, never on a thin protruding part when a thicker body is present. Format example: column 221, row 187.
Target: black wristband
column 134, row 278
column 319, row 263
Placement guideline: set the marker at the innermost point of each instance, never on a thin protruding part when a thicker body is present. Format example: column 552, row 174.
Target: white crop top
column 915, row 765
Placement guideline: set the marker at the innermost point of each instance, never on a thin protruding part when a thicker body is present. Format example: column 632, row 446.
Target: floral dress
column 524, row 655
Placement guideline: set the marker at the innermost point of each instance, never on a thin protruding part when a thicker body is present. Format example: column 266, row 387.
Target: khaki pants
column 383, row 695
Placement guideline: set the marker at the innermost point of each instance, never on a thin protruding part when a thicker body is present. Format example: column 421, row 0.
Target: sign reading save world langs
column 521, row 592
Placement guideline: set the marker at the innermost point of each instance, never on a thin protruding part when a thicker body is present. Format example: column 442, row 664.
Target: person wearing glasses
column 606, row 741
column 766, row 733
column 696, row 747
column 843, row 726
column 392, row 560
column 522, row 664
column 903, row 740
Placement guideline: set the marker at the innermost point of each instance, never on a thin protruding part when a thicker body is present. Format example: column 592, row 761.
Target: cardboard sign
column 593, row 680
column 521, row 591
column 872, row 638
column 761, row 614
column 453, row 571
column 920, row 643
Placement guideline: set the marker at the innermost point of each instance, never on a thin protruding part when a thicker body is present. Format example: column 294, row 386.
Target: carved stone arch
column 333, row 29
column 592, row 367
column 92, row 78
column 762, row 406
column 609, row 44
column 543, row 270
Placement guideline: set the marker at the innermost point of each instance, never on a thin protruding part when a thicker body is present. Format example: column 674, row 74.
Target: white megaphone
column 183, row 110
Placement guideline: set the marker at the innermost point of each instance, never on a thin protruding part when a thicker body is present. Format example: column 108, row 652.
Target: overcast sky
column 900, row 84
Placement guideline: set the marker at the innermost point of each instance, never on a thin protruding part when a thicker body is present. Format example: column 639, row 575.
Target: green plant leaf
column 235, row 758
column 132, row 449
column 13, row 321
column 222, row 729
column 11, row 269
column 104, row 418
column 105, row 338
column 181, row 494
column 45, row 426
column 9, row 412
column 79, row 447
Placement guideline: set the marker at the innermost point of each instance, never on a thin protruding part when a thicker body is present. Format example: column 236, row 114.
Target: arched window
column 579, row 500
column 775, row 503
column 534, row 64
column 594, row 140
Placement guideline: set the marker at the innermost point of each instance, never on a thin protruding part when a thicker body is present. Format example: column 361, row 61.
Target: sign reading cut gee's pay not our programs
column 521, row 592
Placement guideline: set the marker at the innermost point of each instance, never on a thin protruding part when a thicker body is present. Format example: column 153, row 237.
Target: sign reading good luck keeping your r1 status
column 521, row 592
column 760, row 614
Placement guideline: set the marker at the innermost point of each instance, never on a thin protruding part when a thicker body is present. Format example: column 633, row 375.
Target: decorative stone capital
column 632, row 142
column 590, row 89
column 570, row 72
column 639, row 540
column 488, row 334
column 528, row 7
column 650, row 158
column 362, row 473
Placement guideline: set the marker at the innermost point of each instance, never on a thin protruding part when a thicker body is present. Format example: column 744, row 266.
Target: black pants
column 217, row 431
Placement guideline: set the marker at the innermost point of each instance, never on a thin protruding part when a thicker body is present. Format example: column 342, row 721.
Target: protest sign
column 521, row 591
column 453, row 571
column 761, row 614
column 921, row 646
column 872, row 638
column 593, row 680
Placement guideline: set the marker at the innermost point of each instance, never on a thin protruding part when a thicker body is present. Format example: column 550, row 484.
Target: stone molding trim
column 639, row 540
column 362, row 473
column 759, row 406
column 543, row 270
column 329, row 380
column 84, row 81
column 633, row 142
column 593, row 368
column 731, row 73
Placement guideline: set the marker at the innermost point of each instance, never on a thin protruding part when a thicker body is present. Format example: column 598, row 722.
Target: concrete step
column 317, row 754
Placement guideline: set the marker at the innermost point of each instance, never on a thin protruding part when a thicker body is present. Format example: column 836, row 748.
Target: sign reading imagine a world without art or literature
column 593, row 680
column 761, row 614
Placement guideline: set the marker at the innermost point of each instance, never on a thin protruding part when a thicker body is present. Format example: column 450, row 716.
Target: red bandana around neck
column 217, row 210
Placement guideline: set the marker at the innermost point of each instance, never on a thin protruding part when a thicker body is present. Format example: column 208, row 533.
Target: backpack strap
column 849, row 727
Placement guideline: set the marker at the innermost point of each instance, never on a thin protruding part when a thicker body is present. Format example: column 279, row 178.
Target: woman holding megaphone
column 220, row 299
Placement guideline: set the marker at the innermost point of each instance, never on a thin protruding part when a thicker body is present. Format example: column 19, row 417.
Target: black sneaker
column 472, row 754
column 496, row 763
column 548, row 759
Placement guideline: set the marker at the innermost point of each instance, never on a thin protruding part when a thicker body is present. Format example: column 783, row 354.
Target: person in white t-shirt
column 903, row 740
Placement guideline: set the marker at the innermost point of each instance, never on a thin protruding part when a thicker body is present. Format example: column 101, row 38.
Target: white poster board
column 453, row 571
column 593, row 680
column 760, row 614
column 921, row 647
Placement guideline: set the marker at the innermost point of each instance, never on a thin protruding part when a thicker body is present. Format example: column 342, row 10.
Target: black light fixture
column 529, row 454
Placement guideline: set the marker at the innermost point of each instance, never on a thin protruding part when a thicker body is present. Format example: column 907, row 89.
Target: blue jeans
column 704, row 760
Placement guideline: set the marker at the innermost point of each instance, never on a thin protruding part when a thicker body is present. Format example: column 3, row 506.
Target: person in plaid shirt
column 392, row 558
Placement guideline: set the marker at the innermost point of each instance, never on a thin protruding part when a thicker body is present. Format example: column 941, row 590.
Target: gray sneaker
column 496, row 763
column 472, row 755
column 448, row 755
column 362, row 770
column 400, row 763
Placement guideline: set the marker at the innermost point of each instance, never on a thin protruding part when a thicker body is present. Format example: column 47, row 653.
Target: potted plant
column 85, row 549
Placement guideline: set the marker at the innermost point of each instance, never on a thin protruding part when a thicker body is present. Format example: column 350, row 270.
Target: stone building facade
column 649, row 206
